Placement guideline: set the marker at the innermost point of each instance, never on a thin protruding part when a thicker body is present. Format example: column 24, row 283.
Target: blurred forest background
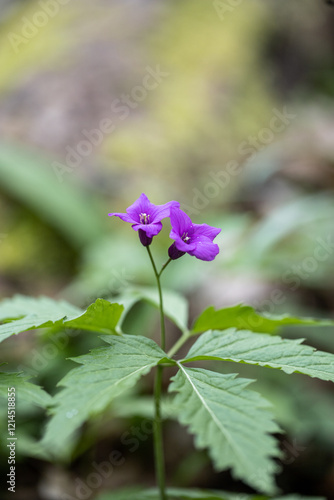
column 225, row 106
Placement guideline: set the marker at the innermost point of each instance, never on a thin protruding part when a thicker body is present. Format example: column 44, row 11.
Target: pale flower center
column 185, row 237
column 144, row 218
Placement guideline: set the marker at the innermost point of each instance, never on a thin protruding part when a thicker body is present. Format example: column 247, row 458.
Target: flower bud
column 144, row 239
column 174, row 253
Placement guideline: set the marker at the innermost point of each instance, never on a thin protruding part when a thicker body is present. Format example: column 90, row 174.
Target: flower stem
column 178, row 344
column 157, row 427
column 157, row 434
column 164, row 266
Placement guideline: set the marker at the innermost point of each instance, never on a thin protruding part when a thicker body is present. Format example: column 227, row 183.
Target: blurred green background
column 224, row 106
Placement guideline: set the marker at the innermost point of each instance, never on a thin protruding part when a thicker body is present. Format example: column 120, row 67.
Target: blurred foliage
column 225, row 78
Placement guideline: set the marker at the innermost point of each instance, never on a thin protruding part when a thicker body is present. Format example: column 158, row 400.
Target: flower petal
column 150, row 229
column 181, row 222
column 206, row 230
column 183, row 246
column 205, row 249
column 140, row 206
column 125, row 217
column 162, row 211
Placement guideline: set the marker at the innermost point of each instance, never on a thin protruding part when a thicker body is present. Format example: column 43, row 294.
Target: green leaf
column 189, row 494
column 25, row 313
column 105, row 373
column 23, row 389
column 102, row 316
column 231, row 421
column 256, row 349
column 245, row 317
column 21, row 305
column 175, row 305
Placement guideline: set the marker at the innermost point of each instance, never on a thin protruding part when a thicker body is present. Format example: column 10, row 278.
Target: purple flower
column 146, row 217
column 194, row 239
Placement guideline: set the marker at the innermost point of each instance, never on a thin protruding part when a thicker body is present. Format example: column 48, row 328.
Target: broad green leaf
column 21, row 305
column 32, row 313
column 175, row 305
column 245, row 317
column 230, row 420
column 189, row 494
column 105, row 373
column 23, row 389
column 256, row 349
column 25, row 313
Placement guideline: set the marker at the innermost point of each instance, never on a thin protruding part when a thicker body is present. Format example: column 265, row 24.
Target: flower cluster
column 194, row 239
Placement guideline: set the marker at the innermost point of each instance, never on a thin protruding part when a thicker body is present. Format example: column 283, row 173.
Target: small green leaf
column 25, row 313
column 231, row 421
column 105, row 373
column 102, row 316
column 246, row 318
column 256, row 349
column 23, row 389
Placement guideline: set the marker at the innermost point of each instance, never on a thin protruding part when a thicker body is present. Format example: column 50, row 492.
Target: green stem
column 161, row 306
column 157, row 433
column 164, row 266
column 178, row 344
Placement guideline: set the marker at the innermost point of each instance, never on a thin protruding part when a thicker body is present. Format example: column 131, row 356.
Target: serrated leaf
column 175, row 305
column 105, row 373
column 256, row 349
column 245, row 317
column 25, row 313
column 230, row 420
column 23, row 389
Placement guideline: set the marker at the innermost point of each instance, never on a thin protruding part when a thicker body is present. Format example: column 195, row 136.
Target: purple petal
column 181, row 222
column 205, row 249
column 206, row 230
column 125, row 217
column 150, row 229
column 183, row 246
column 161, row 211
column 140, row 206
